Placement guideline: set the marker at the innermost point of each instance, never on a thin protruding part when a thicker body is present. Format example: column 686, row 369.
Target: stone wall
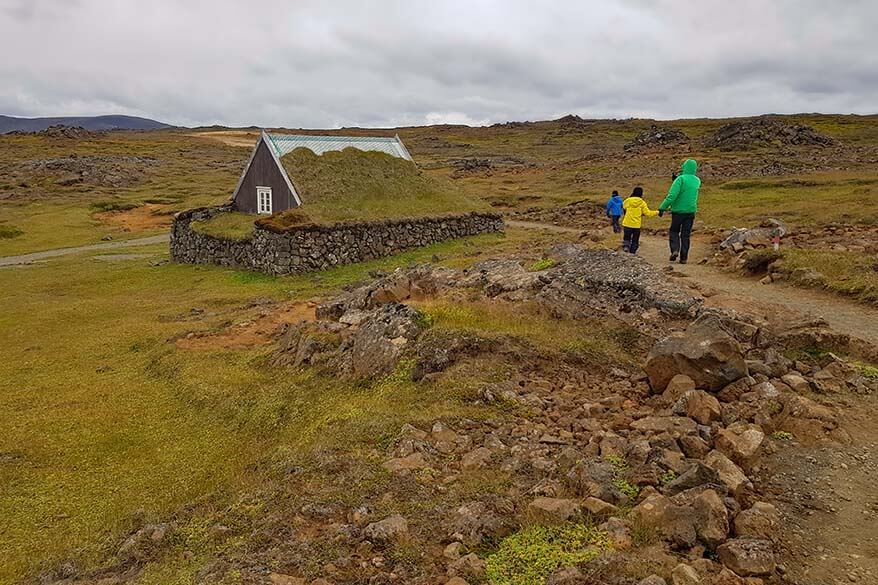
column 318, row 247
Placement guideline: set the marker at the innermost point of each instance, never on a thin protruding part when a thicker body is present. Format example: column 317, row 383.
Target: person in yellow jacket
column 634, row 208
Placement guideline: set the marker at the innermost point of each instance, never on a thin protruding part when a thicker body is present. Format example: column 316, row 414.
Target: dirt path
column 827, row 495
column 845, row 316
column 35, row 256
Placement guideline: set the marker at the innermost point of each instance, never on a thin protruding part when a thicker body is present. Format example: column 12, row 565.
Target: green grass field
column 107, row 422
column 188, row 172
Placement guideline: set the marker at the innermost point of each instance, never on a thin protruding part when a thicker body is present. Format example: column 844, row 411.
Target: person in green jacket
column 682, row 202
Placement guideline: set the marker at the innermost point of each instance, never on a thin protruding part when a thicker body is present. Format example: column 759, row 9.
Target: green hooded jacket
column 683, row 194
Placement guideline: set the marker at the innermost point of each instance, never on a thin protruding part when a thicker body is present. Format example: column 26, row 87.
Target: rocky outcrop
column 589, row 280
column 376, row 347
column 657, row 136
column 765, row 131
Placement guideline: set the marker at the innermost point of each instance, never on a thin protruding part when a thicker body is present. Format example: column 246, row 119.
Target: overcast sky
column 330, row 63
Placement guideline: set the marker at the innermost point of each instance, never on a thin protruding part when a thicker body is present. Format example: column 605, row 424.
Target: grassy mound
column 844, row 273
column 353, row 184
column 228, row 226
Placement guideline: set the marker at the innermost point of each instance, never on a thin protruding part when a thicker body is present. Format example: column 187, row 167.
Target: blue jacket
column 614, row 205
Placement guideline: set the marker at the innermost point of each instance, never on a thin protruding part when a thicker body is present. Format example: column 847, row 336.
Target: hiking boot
column 673, row 258
column 683, row 261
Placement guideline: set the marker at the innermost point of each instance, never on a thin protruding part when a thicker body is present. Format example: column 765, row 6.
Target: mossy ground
column 531, row 555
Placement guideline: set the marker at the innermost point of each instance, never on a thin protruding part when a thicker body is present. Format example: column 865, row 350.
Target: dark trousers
column 679, row 234
column 616, row 226
column 630, row 239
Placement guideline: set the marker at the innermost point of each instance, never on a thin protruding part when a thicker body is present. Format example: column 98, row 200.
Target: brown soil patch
column 261, row 330
column 143, row 218
column 243, row 138
column 827, row 495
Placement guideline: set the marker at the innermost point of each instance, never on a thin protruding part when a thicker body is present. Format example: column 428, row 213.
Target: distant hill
column 10, row 123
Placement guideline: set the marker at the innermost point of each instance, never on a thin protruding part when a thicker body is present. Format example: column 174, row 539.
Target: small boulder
column 594, row 478
column 729, row 474
column 742, row 443
column 711, row 519
column 704, row 351
column 733, row 392
column 761, row 521
column 412, row 462
column 697, row 475
column 378, row 344
column 684, row 575
column 553, row 510
column 677, row 387
column 619, row 532
column 652, row 580
column 676, row 425
column 747, row 557
column 476, row 459
column 672, row 522
column 387, row 530
column 468, row 566
column 598, row 507
column 565, row 576
column 699, row 406
column 474, row 522
column 693, row 447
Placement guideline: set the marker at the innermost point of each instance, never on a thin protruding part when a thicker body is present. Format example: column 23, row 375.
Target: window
column 263, row 200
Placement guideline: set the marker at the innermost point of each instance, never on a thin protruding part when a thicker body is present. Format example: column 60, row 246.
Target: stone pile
column 657, row 136
column 765, row 132
column 579, row 214
column 100, row 171
column 62, row 131
column 684, row 459
column 741, row 239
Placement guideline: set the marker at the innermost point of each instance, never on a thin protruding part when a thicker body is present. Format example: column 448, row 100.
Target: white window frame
column 263, row 200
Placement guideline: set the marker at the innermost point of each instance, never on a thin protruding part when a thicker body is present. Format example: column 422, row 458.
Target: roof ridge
column 285, row 143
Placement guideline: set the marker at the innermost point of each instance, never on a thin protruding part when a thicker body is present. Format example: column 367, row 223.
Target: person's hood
column 616, row 196
column 689, row 166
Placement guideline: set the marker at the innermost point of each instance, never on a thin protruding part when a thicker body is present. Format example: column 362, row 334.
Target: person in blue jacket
column 614, row 211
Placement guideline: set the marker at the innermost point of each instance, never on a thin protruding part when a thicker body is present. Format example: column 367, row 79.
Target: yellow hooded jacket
column 635, row 209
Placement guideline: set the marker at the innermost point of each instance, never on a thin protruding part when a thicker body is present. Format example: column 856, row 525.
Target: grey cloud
column 311, row 63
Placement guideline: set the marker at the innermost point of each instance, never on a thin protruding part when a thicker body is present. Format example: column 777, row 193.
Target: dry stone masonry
column 318, row 247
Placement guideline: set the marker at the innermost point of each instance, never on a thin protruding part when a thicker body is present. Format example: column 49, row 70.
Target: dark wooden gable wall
column 264, row 172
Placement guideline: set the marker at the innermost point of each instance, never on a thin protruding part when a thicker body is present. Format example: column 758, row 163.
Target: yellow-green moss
column 530, row 556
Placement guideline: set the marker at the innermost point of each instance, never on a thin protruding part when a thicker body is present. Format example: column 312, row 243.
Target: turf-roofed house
column 265, row 186
column 307, row 203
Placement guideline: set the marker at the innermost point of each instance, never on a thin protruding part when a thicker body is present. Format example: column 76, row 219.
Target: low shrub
column 7, row 232
column 543, row 264
column 531, row 555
